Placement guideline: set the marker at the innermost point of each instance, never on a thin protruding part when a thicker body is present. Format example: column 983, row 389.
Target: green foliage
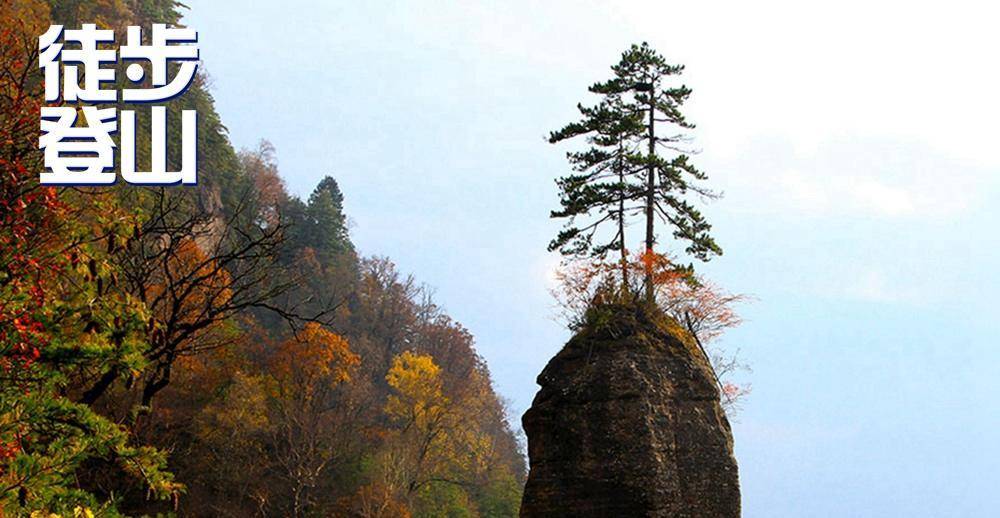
column 501, row 498
column 600, row 187
column 320, row 224
column 632, row 167
column 443, row 501
column 83, row 327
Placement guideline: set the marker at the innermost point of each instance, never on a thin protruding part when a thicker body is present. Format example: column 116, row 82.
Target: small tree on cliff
column 640, row 114
column 638, row 168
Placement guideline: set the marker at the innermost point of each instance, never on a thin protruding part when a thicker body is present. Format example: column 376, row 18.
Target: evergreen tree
column 599, row 183
column 325, row 214
column 653, row 167
column 319, row 224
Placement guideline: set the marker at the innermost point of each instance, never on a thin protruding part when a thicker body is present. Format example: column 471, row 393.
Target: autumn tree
column 196, row 270
column 439, row 452
column 57, row 316
column 215, row 418
column 261, row 166
column 308, row 370
column 274, row 437
column 233, row 445
column 388, row 308
column 238, row 461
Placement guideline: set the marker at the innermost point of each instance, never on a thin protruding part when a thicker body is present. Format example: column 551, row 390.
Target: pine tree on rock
column 654, row 170
column 600, row 183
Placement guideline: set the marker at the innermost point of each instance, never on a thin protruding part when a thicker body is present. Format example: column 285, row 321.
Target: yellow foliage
column 418, row 396
column 27, row 18
column 242, row 412
column 78, row 512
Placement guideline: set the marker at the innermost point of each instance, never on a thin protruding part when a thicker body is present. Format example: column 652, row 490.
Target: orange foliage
column 315, row 356
column 186, row 293
column 695, row 304
column 189, row 282
column 261, row 165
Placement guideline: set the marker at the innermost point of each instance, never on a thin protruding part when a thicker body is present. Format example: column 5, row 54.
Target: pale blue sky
column 855, row 144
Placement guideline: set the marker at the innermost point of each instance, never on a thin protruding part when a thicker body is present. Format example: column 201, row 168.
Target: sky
column 855, row 144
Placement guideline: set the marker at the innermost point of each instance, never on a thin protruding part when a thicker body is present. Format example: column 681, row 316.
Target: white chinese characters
column 82, row 152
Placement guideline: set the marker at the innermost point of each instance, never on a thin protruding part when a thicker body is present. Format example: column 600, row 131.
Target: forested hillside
column 219, row 350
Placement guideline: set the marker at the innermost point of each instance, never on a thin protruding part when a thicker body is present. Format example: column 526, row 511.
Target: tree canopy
column 637, row 166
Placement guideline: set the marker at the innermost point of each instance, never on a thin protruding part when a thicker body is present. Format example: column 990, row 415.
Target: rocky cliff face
column 628, row 424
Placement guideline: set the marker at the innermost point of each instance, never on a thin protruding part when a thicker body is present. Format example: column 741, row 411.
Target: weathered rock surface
column 628, row 424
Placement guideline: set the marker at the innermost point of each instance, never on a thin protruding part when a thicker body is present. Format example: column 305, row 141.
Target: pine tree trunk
column 650, row 194
column 621, row 218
